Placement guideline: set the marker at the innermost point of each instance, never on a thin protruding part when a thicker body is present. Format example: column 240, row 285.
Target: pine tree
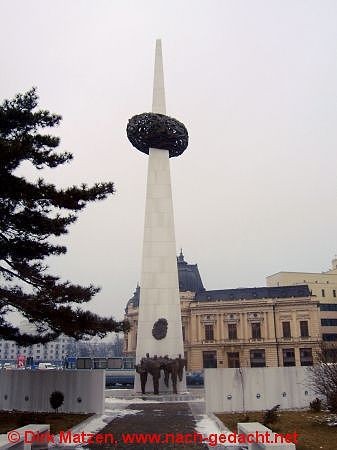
column 31, row 214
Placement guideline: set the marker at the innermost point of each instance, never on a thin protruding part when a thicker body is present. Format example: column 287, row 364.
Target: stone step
column 129, row 394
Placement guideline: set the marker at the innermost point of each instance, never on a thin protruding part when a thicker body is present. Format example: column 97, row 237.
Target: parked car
column 46, row 366
column 120, row 379
column 195, row 378
column 8, row 366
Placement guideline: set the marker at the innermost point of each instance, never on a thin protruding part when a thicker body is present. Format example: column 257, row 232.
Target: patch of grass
column 9, row 420
column 311, row 427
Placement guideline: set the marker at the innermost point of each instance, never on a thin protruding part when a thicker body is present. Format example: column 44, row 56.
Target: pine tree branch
column 31, row 213
column 17, row 275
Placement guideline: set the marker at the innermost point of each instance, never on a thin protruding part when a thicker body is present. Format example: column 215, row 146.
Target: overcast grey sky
column 255, row 82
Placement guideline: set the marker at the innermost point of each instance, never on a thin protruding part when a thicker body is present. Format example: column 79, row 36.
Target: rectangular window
column 329, row 337
column 323, row 293
column 334, row 292
column 286, row 329
column 329, row 322
column 183, row 329
column 209, row 333
column 209, row 360
column 232, row 332
column 100, row 363
column 330, row 355
column 306, row 357
column 257, row 358
column 328, row 307
column 256, row 330
column 289, row 357
column 233, row 359
column 304, row 328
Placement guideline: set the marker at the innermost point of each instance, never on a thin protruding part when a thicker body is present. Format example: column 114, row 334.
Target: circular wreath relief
column 159, row 329
column 157, row 131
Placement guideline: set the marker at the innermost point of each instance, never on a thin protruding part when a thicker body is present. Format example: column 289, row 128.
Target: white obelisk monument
column 159, row 287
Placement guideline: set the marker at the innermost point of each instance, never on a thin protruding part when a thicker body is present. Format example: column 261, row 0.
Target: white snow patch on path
column 129, row 401
column 206, row 426
column 94, row 425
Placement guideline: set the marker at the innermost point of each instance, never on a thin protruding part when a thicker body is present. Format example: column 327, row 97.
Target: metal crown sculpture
column 151, row 130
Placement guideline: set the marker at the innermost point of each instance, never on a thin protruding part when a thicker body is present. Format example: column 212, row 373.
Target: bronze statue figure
column 182, row 362
column 153, row 366
column 171, row 367
column 143, row 376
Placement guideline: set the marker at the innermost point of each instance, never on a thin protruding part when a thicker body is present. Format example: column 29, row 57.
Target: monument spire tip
column 158, row 99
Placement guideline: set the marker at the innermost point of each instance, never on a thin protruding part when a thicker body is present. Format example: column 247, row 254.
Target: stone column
column 159, row 287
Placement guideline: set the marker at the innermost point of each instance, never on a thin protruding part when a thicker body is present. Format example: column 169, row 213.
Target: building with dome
column 245, row 327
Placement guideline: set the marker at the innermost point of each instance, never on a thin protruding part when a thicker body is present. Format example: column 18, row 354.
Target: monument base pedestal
column 193, row 394
column 182, row 397
column 181, row 385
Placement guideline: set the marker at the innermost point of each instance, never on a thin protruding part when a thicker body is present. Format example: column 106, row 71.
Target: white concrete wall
column 27, row 390
column 232, row 390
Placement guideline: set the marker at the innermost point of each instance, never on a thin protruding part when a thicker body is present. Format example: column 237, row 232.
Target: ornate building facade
column 246, row 327
column 323, row 287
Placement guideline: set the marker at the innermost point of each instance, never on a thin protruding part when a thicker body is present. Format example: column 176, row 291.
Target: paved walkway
column 163, row 418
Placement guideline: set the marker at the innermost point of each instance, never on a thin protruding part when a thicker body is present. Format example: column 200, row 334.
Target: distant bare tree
column 96, row 348
column 324, row 375
column 118, row 345
column 71, row 348
column 85, row 349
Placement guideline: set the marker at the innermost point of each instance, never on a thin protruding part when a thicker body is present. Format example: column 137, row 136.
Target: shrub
column 271, row 415
column 331, row 400
column 316, row 405
column 56, row 400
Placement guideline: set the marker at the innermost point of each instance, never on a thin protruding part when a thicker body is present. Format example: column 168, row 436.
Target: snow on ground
column 330, row 420
column 129, row 401
column 96, row 424
column 209, row 428
column 206, row 426
column 114, row 413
